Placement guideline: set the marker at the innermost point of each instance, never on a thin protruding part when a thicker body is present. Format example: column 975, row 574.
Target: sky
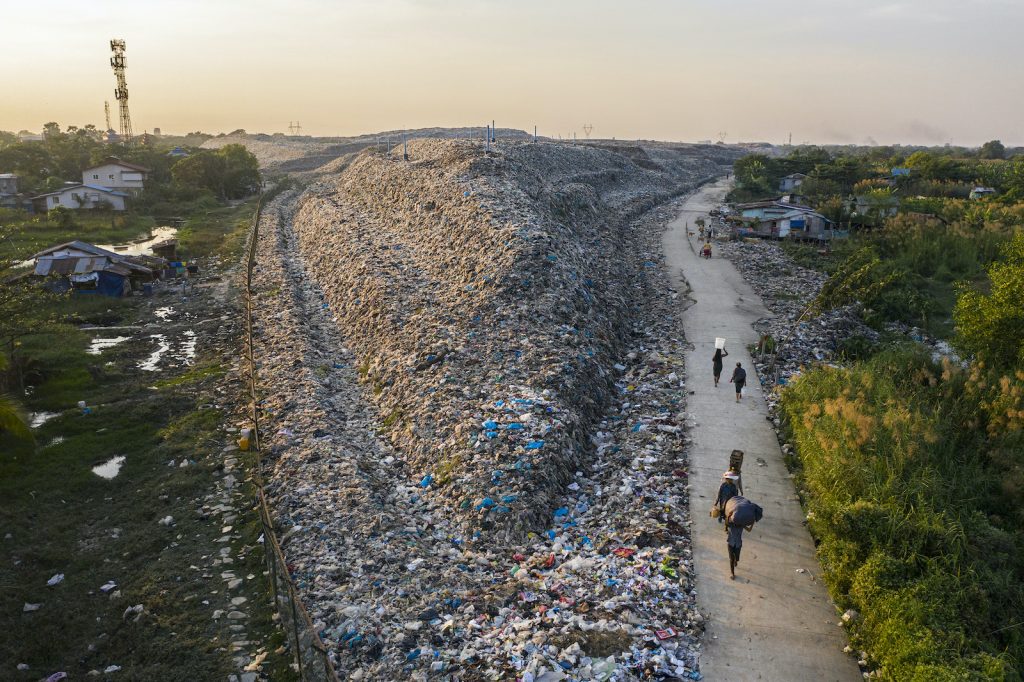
column 825, row 71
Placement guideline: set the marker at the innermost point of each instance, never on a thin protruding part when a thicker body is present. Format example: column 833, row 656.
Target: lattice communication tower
column 587, row 129
column 121, row 91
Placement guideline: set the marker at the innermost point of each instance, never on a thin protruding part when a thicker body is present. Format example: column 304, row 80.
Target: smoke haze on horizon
column 833, row 71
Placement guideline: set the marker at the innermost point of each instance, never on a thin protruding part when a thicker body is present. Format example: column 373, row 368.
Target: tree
column 241, row 171
column 230, row 172
column 993, row 149
column 12, row 416
column 752, row 173
column 991, row 326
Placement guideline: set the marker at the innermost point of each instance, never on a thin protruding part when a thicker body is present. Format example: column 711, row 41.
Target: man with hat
column 726, row 492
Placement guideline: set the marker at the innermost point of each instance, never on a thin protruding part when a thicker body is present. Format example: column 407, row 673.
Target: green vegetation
column 939, row 239
column 912, row 474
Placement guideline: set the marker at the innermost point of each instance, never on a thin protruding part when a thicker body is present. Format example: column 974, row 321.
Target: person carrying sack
column 726, row 492
column 740, row 514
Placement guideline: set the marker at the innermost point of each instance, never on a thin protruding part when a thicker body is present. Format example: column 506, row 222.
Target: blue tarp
column 108, row 284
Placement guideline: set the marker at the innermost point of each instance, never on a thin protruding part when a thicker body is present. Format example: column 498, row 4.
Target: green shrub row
column 911, row 475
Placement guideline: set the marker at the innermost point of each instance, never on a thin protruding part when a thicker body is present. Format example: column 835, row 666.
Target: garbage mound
column 400, row 582
column 486, row 297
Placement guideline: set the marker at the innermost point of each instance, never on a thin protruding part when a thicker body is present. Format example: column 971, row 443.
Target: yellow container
column 243, row 443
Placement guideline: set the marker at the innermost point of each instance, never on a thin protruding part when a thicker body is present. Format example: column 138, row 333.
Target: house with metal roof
column 116, row 174
column 86, row 268
column 82, row 196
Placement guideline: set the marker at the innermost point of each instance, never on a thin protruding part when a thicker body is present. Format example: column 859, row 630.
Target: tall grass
column 916, row 527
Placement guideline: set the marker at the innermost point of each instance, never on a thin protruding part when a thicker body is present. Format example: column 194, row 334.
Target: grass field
column 57, row 516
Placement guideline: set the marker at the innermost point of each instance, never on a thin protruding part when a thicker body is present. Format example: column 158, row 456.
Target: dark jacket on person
column 726, row 492
column 739, row 376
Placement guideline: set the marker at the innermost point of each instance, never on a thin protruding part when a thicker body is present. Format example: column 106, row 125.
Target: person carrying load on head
column 736, row 465
column 740, row 514
column 726, row 492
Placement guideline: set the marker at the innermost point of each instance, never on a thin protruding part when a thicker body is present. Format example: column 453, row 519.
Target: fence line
column 314, row 664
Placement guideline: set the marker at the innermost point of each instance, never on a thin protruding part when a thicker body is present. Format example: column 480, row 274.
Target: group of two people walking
column 739, row 375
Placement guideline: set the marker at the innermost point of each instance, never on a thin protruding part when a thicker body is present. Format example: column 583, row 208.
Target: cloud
column 924, row 132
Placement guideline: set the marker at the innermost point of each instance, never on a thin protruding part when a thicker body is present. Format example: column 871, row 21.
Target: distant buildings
column 82, row 196
column 776, row 219
column 791, row 182
column 116, row 174
column 979, row 192
column 9, row 190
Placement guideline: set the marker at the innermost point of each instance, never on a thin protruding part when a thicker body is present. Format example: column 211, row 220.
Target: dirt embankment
column 486, row 299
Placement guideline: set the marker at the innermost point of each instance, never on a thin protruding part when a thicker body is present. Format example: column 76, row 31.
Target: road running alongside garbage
column 775, row 621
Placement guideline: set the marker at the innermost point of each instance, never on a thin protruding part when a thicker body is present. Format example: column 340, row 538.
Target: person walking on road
column 726, row 492
column 740, row 514
column 716, row 363
column 739, row 377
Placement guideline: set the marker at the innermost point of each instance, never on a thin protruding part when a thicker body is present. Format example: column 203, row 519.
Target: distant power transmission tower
column 721, row 136
column 294, row 127
column 587, row 129
column 121, row 92
column 106, row 114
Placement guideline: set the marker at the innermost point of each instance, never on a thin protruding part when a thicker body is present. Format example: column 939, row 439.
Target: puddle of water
column 110, row 468
column 37, row 419
column 188, row 347
column 150, row 363
column 100, row 344
column 143, row 247
column 164, row 313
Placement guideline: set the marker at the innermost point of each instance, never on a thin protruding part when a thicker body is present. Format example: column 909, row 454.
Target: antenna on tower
column 587, row 128
column 106, row 113
column 294, row 128
column 121, row 92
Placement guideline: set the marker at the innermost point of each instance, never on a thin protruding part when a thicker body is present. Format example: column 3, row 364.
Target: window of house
column 56, row 200
column 95, row 176
column 111, row 176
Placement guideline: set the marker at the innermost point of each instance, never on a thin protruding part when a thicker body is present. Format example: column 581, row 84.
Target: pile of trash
column 475, row 411
column 486, row 297
column 786, row 289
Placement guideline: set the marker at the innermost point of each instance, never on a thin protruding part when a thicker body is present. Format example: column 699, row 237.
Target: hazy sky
column 917, row 71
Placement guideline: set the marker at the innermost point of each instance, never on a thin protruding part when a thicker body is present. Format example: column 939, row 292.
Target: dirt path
column 776, row 621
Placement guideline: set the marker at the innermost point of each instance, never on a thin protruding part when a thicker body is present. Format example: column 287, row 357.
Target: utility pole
column 488, row 148
column 494, row 134
column 535, row 134
column 405, row 146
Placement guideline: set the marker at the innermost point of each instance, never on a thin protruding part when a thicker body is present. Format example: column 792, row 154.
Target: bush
column 908, row 498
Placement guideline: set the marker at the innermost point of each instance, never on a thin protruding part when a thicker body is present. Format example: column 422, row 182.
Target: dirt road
column 775, row 621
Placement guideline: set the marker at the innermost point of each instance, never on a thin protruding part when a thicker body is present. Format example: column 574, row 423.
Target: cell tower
column 587, row 129
column 121, row 92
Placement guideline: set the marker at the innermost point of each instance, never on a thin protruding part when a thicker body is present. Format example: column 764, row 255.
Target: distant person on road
column 726, row 492
column 706, row 251
column 716, row 363
column 739, row 377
